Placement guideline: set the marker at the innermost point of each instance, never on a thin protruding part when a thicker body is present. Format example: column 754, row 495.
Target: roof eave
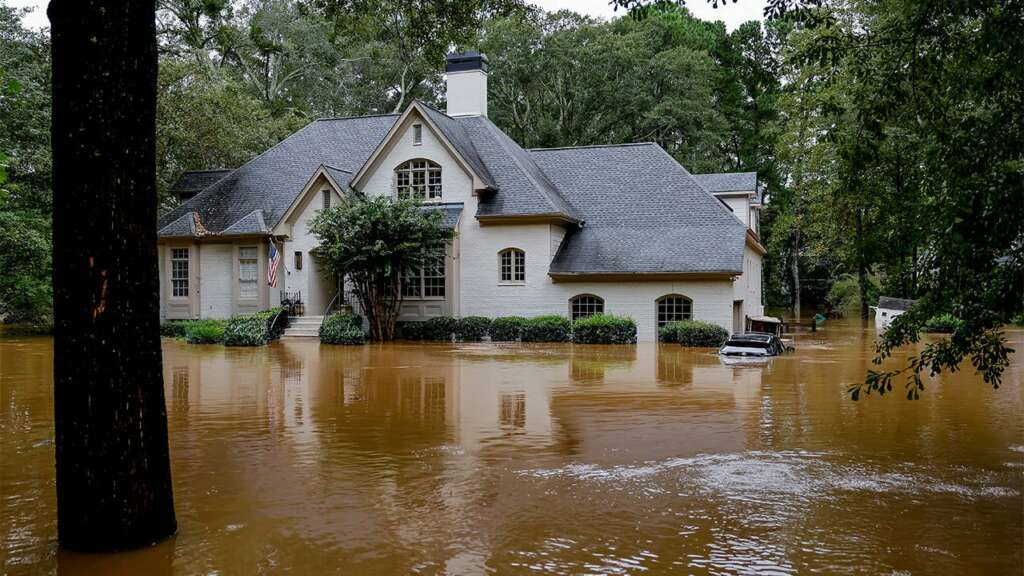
column 613, row 276
column 544, row 218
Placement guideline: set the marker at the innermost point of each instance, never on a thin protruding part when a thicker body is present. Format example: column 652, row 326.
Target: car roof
column 751, row 337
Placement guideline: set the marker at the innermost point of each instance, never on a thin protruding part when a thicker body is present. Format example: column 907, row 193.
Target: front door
column 322, row 288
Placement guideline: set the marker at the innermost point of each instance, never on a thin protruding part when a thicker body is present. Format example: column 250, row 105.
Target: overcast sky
column 732, row 14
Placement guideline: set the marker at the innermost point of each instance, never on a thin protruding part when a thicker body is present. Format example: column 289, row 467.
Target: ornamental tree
column 373, row 243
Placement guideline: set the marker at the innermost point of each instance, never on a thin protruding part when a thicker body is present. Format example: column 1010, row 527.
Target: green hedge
column 604, row 329
column 472, row 328
column 507, row 328
column 204, row 331
column 943, row 323
column 174, row 328
column 439, row 329
column 550, row 328
column 409, row 330
column 342, row 328
column 251, row 329
column 697, row 334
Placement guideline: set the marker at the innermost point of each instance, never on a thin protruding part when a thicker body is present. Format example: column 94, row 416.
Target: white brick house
column 621, row 228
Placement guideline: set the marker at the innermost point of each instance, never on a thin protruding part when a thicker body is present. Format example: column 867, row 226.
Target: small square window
column 417, row 134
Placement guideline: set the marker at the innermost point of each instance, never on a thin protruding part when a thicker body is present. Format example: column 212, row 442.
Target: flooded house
column 888, row 309
column 620, row 228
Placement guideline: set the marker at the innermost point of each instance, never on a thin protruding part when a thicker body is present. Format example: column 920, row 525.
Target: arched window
column 674, row 307
column 512, row 262
column 418, row 179
column 585, row 305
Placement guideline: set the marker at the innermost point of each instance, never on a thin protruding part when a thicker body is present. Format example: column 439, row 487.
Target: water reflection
column 517, row 458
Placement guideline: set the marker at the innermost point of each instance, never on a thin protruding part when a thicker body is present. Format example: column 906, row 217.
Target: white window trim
column 417, row 134
column 256, row 280
column 502, row 282
column 660, row 299
column 604, row 305
column 188, row 274
column 426, row 199
column 423, row 285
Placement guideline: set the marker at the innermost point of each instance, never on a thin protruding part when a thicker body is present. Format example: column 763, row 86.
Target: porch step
column 303, row 327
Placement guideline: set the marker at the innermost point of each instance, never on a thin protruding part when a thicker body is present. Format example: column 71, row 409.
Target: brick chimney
column 467, row 84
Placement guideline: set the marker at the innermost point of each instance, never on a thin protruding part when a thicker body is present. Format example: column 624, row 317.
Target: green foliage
column 342, row 328
column 409, row 330
column 669, row 333
column 26, row 197
column 1018, row 320
column 439, row 329
column 472, row 328
column 250, row 329
column 943, row 324
column 374, row 242
column 204, row 331
column 604, row 329
column 173, row 328
column 507, row 328
column 550, row 328
column 697, row 334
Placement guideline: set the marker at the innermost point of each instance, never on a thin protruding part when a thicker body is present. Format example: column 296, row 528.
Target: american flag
column 275, row 260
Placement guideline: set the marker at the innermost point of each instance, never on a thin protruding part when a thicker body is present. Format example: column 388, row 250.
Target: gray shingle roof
column 185, row 225
column 451, row 213
column 523, row 188
column 728, row 182
column 891, row 303
column 252, row 223
column 341, row 177
column 192, row 182
column 644, row 213
column 271, row 181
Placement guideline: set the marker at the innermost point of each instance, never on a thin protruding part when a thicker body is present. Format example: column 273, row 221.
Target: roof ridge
column 623, row 144
column 336, row 168
column 434, row 108
column 353, row 117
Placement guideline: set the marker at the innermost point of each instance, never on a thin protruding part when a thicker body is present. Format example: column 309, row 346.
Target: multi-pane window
column 418, row 179
column 247, row 272
column 179, row 272
column 585, row 305
column 427, row 281
column 513, row 265
column 673, row 308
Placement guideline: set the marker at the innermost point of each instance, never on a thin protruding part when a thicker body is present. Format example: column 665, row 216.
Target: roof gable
column 449, row 134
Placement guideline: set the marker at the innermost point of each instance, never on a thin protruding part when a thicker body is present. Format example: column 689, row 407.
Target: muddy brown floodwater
column 517, row 459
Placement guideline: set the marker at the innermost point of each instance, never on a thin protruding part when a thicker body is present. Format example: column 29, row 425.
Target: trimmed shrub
column 341, row 328
column 440, row 329
column 409, row 330
column 697, row 334
column 472, row 328
column 251, row 329
column 507, row 328
column 550, row 328
column 604, row 329
column 174, row 328
column 669, row 332
column 942, row 324
column 204, row 331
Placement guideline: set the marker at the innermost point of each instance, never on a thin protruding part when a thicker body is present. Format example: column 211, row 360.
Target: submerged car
column 753, row 344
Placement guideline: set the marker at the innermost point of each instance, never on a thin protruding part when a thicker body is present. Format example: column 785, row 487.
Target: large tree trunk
column 113, row 467
column 795, row 274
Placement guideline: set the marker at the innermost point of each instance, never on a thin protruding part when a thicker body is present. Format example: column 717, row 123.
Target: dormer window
column 417, row 134
column 418, row 179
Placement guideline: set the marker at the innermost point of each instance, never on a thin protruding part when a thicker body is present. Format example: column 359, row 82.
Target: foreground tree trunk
column 113, row 467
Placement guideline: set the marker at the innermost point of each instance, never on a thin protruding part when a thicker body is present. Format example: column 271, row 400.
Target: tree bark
column 795, row 274
column 113, row 465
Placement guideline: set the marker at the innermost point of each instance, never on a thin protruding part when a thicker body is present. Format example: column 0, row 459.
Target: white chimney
column 467, row 84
